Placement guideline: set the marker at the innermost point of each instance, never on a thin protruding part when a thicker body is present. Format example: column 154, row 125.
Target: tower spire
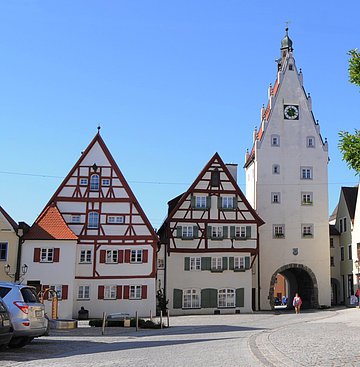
column 286, row 44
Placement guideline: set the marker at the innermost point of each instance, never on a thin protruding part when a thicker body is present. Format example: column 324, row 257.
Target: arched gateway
column 300, row 279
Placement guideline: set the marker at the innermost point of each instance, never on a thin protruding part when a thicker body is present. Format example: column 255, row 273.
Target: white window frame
column 92, row 224
column 187, row 232
column 227, row 202
column 276, row 169
column 105, row 182
column 85, row 256
column 239, row 262
column 217, row 232
column 57, row 288
column 84, row 292
column 275, row 140
column 240, row 231
column 110, row 292
column 111, row 256
column 226, row 298
column 216, row 263
column 306, row 173
column 200, row 202
column 136, row 256
column 306, row 198
column 307, row 230
column 310, row 141
column 95, row 182
column 279, row 230
column 191, row 298
column 116, row 219
column 195, row 263
column 4, row 250
column 47, row 255
column 275, row 198
column 135, row 292
column 83, row 181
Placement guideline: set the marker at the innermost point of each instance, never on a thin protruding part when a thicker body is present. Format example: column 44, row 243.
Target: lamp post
column 7, row 269
column 357, row 264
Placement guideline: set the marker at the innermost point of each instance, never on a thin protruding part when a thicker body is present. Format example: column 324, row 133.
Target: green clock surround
column 291, row 112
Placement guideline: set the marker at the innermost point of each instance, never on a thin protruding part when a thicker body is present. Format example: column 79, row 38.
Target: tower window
column 307, row 230
column 306, row 173
column 310, row 142
column 275, row 197
column 291, row 67
column 275, row 140
column 279, row 230
column 276, row 169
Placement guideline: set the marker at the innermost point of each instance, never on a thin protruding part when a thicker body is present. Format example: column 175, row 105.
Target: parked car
column 6, row 330
column 27, row 313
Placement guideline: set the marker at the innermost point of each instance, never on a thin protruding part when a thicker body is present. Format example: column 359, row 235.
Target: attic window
column 291, row 67
column 215, row 178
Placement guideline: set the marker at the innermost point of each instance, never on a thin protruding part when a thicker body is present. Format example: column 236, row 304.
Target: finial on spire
column 98, row 128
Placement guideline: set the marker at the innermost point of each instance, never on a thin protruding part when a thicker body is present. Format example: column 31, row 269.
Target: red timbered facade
column 209, row 242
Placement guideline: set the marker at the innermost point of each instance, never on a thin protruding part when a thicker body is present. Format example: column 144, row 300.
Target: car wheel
column 19, row 342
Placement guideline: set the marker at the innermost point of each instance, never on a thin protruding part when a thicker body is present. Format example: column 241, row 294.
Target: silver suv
column 26, row 312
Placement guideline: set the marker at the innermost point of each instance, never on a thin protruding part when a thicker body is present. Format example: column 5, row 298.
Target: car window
column 2, row 307
column 29, row 295
column 4, row 291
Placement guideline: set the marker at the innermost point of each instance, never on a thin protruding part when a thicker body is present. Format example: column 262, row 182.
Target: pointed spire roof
column 286, row 42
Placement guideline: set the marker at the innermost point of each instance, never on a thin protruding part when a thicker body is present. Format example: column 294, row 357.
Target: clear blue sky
column 170, row 82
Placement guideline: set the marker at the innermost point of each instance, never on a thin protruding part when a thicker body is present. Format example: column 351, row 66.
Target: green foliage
column 354, row 66
column 349, row 145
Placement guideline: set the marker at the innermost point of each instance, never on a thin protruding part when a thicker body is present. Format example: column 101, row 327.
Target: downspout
column 258, row 272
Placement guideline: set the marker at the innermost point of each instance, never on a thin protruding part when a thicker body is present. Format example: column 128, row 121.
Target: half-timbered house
column 209, row 242
column 93, row 243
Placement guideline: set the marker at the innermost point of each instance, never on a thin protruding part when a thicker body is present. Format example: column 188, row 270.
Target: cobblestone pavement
column 324, row 338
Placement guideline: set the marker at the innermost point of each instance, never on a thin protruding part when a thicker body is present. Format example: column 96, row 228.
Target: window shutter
column 248, row 231
column 145, row 256
column 36, row 255
column 208, row 231
column 120, row 256
column 225, row 263
column 205, row 263
column 127, row 256
column 187, row 263
column 225, row 232
column 247, row 262
column 219, row 201
column 232, row 231
column 208, row 202
column 231, row 263
column 208, row 298
column 177, row 301
column 235, row 202
column 239, row 297
column 102, row 256
column 64, row 292
column 178, row 231
column 192, row 201
column 143, row 291
column 101, row 291
column 126, row 292
column 56, row 255
column 196, row 232
column 118, row 291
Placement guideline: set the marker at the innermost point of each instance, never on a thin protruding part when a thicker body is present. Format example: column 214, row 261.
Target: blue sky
column 170, row 82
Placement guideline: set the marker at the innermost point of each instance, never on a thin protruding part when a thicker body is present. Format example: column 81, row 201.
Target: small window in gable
column 310, row 142
column 94, row 183
column 105, row 182
column 276, row 169
column 275, row 140
column 83, row 181
column 215, row 178
column 75, row 218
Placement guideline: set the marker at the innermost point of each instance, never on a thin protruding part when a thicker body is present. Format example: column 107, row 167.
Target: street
column 316, row 338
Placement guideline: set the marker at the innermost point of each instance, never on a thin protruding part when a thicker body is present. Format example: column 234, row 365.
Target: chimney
column 232, row 167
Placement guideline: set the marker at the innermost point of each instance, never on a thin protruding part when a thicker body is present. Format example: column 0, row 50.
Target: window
column 47, row 255
column 85, row 256
column 187, row 231
column 349, row 252
column 84, row 292
column 240, row 232
column 331, row 242
column 342, row 253
column 227, row 202
column 239, row 262
column 94, row 183
column 110, row 292
column 275, row 197
column 160, row 263
column 344, row 221
column 226, row 298
column 58, row 289
column 116, row 219
column 105, row 182
column 341, row 226
column 306, row 173
column 332, row 261
column 215, row 178
column 307, row 230
column 191, row 298
column 200, row 202
column 195, row 263
column 291, row 67
column 83, row 181
column 276, row 169
column 279, row 230
column 93, row 220
column 217, row 232
column 275, row 140
column 111, row 256
column 136, row 256
column 75, row 218
column 306, row 198
column 310, row 142
column 216, row 263
column 135, row 292
column 3, row 251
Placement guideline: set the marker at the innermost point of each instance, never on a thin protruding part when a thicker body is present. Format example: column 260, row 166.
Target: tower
column 286, row 182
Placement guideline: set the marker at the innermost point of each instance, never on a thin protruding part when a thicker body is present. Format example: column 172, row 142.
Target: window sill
column 84, row 262
column 228, row 209
column 191, row 308
column 187, row 238
column 216, row 270
column 239, row 270
column 226, row 307
column 83, row 299
column 240, row 238
column 135, row 299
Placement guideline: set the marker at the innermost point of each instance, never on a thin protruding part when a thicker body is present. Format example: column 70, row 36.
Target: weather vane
column 287, row 23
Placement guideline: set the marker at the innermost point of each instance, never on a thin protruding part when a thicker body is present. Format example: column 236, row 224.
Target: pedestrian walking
column 297, row 302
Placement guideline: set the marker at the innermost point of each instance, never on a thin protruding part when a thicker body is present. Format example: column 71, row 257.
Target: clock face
column 291, row 112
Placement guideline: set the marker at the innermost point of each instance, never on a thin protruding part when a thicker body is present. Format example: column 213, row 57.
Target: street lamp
column 7, row 269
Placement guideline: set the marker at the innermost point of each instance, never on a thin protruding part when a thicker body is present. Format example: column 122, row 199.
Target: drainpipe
column 258, row 267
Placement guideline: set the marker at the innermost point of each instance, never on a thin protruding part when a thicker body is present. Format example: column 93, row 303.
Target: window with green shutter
column 247, row 262
column 231, row 263
column 240, row 297
column 248, row 231
column 178, row 297
column 178, row 231
column 208, row 298
column 225, row 263
column 187, row 263
column 206, row 263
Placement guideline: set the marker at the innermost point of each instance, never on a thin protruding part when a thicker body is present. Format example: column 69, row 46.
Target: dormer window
column 94, row 183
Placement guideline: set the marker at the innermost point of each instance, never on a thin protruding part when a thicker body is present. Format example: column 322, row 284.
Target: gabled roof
column 50, row 225
column 350, row 196
column 11, row 221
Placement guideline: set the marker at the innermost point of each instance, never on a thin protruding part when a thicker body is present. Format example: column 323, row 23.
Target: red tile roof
column 9, row 219
column 50, row 225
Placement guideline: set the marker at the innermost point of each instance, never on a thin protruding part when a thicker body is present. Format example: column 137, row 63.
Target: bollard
column 151, row 315
column 168, row 318
column 136, row 321
column 161, row 325
column 103, row 324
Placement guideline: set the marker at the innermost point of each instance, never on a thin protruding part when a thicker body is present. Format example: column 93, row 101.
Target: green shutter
column 196, row 232
column 208, row 202
column 179, row 232
column 225, row 263
column 177, row 301
column 205, row 263
column 187, row 263
column 232, row 231
column 248, row 231
column 208, row 298
column 219, row 202
column 225, row 231
column 240, row 297
column 192, row 201
column 247, row 262
column 235, row 202
column 208, row 231
column 231, row 263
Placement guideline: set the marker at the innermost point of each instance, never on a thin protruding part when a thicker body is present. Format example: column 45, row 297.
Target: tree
column 354, row 67
column 349, row 145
